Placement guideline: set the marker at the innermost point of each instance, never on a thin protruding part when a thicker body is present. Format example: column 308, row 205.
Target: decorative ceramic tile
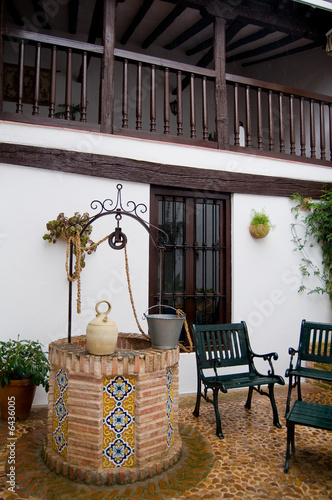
column 169, row 406
column 119, row 422
column 60, row 413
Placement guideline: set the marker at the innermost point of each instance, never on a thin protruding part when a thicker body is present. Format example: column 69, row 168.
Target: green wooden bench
column 309, row 414
column 315, row 346
column 227, row 346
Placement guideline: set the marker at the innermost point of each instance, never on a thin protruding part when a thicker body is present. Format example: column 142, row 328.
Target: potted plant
column 260, row 224
column 23, row 366
column 64, row 227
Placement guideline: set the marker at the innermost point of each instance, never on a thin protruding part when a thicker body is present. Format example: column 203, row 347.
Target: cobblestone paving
column 247, row 464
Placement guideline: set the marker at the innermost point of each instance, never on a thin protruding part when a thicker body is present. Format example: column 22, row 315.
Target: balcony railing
column 158, row 98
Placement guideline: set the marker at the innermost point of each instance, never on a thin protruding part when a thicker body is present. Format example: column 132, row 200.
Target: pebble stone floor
column 247, row 464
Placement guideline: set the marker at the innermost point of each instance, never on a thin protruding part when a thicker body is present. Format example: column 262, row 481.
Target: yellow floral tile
column 60, row 413
column 119, row 422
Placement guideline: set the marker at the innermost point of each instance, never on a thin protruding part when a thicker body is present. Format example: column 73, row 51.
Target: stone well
column 112, row 419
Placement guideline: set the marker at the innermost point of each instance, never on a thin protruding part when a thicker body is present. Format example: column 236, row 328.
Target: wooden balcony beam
column 109, row 167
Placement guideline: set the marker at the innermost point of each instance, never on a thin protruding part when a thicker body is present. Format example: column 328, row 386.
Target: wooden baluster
column 19, row 105
column 179, row 99
column 236, row 116
column 291, row 125
column 312, row 129
column 205, row 111
column 153, row 99
column 125, row 95
column 192, row 107
column 68, row 85
column 35, row 107
column 302, row 128
column 322, row 133
column 281, row 124
column 53, row 83
column 248, row 118
column 84, row 87
column 270, row 114
column 139, row 97
column 166, row 101
column 259, row 119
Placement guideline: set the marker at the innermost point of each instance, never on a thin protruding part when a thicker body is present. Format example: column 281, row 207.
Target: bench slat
column 311, row 414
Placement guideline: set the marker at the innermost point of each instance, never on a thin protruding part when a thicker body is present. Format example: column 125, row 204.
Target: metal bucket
column 164, row 329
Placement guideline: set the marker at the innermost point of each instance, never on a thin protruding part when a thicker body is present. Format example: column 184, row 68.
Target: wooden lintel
column 126, row 169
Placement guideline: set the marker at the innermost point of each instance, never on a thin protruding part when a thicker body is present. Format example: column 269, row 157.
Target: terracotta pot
column 259, row 230
column 23, row 392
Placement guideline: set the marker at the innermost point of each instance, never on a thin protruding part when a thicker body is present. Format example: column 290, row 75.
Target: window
column 195, row 271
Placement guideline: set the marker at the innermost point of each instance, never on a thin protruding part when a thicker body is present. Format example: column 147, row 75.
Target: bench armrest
column 266, row 357
column 292, row 352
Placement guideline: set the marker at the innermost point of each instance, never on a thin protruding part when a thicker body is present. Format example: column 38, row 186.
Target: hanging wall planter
column 260, row 224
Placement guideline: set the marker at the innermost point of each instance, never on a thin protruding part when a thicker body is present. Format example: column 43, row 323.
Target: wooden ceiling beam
column 95, row 30
column 190, row 32
column 40, row 14
column 292, row 18
column 201, row 46
column 261, row 50
column 14, row 13
column 72, row 16
column 176, row 12
column 249, row 39
column 136, row 21
column 233, row 29
column 296, row 50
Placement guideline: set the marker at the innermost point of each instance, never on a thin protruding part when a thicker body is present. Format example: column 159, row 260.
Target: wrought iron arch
column 117, row 239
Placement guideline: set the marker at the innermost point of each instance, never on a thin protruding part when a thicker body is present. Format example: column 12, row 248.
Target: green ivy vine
column 316, row 218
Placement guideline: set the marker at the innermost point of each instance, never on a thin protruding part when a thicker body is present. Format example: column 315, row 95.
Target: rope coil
column 76, row 242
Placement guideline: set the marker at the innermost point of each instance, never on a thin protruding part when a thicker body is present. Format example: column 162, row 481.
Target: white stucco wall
column 34, row 290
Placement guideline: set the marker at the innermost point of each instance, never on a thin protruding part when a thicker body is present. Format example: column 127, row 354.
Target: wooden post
column 107, row 68
column 220, row 85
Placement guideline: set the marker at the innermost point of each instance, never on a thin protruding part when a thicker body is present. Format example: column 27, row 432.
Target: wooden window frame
column 225, row 268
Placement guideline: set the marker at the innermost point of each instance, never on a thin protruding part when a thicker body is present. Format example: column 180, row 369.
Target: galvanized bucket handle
column 169, row 307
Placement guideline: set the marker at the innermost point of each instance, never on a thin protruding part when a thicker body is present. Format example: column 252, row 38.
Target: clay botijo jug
column 101, row 332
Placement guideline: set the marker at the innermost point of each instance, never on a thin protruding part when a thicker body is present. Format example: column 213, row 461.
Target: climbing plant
column 316, row 219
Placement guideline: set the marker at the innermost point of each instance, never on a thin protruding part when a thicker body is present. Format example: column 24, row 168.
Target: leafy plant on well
column 316, row 219
column 64, row 227
column 23, row 359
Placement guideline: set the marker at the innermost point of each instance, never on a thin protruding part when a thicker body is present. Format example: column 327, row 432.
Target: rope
column 184, row 348
column 131, row 294
column 76, row 241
